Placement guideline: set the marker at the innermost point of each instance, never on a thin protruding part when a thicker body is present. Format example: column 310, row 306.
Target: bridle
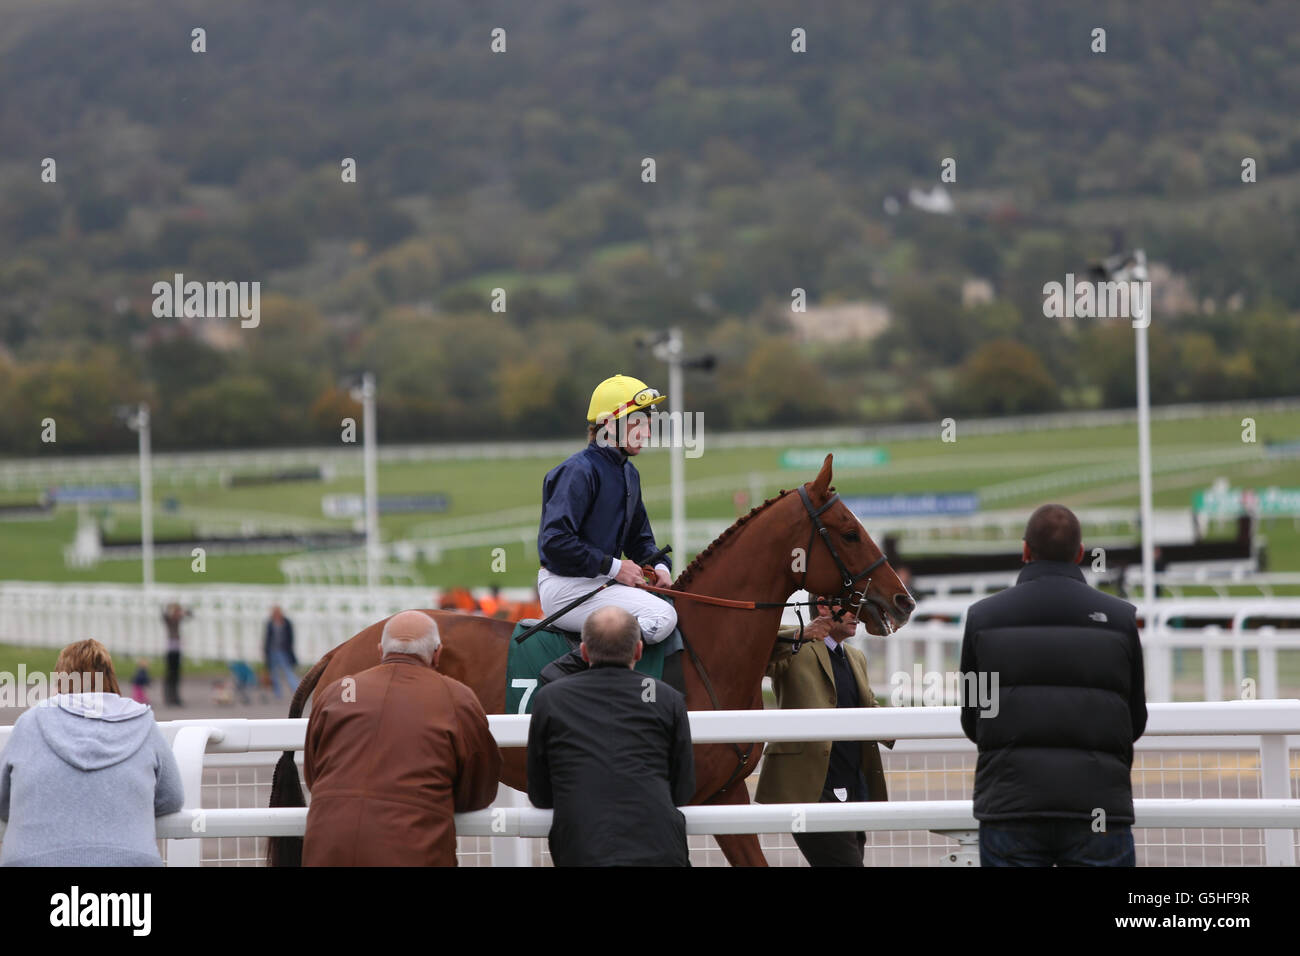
column 849, row 596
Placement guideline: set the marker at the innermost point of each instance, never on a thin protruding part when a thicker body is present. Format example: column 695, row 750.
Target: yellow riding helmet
column 618, row 396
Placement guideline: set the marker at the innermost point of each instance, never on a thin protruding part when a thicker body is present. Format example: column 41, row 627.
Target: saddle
column 552, row 653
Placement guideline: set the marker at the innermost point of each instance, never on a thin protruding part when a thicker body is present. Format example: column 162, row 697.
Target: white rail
column 212, row 465
column 1271, row 722
column 934, row 637
column 229, row 623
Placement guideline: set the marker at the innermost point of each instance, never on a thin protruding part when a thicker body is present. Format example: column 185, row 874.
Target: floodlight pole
column 1139, row 274
column 369, row 452
column 671, row 352
column 141, row 425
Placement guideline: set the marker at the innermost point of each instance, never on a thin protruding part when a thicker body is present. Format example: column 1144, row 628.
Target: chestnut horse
column 764, row 557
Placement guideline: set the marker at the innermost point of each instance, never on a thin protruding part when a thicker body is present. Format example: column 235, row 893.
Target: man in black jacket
column 1054, row 697
column 610, row 750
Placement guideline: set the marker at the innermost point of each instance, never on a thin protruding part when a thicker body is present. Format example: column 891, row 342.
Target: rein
column 742, row 606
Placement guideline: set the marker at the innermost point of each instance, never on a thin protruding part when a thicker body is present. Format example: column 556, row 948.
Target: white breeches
column 655, row 615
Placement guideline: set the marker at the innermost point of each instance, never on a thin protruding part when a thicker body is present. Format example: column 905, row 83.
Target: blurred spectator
column 278, row 649
column 458, row 599
column 465, row 601
column 85, row 774
column 172, row 617
column 392, row 753
column 223, row 693
column 140, row 681
column 491, row 603
column 244, row 679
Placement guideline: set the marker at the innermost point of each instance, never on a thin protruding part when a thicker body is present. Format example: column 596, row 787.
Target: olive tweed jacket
column 795, row 771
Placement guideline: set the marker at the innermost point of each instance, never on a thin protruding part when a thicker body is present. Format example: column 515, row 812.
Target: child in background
column 140, row 681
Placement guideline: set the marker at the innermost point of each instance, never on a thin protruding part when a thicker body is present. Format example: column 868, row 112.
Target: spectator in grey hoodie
column 84, row 774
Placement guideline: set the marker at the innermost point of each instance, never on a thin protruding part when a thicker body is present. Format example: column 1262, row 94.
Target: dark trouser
column 1055, row 843
column 831, row 849
column 172, row 682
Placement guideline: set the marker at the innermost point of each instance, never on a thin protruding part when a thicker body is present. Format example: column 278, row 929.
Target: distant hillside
column 522, row 170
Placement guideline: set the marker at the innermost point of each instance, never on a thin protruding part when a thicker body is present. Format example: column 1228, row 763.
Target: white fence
column 211, row 466
column 1271, row 727
column 1264, row 626
column 1225, row 578
column 229, row 621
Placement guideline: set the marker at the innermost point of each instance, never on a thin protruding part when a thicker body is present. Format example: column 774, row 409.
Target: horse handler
column 825, row 673
column 592, row 512
column 392, row 753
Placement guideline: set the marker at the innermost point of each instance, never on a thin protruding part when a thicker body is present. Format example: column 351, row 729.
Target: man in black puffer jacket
column 1055, row 697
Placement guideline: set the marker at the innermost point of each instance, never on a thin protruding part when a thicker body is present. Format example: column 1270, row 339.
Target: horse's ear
column 822, row 483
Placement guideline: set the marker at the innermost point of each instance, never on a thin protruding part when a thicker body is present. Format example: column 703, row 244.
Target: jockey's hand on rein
column 631, row 575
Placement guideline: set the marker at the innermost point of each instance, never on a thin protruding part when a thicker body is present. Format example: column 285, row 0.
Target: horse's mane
column 694, row 566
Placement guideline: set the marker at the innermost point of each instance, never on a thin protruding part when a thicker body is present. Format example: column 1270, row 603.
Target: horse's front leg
column 740, row 849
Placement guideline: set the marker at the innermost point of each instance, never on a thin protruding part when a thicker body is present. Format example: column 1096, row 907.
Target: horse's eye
column 852, row 536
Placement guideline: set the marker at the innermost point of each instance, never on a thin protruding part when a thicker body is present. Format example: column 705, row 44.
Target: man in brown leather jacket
column 392, row 753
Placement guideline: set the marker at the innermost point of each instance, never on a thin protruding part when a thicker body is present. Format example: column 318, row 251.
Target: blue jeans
column 280, row 668
column 1055, row 843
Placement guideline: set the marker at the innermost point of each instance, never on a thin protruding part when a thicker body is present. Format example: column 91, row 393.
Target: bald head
column 610, row 636
column 411, row 632
column 1053, row 534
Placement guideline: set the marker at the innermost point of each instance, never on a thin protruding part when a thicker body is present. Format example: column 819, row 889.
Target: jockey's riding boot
column 570, row 663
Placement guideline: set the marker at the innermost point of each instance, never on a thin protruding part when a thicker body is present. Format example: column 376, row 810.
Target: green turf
column 33, row 549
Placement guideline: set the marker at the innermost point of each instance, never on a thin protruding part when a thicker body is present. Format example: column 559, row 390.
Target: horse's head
column 842, row 561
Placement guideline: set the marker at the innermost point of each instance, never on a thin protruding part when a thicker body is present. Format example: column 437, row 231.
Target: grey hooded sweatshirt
column 81, row 780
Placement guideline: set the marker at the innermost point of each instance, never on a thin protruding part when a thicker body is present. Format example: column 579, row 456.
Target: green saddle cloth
column 524, row 662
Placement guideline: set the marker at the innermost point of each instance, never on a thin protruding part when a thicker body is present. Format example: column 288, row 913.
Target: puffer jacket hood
column 93, row 731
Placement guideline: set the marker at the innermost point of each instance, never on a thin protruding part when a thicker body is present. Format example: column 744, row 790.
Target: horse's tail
column 286, row 790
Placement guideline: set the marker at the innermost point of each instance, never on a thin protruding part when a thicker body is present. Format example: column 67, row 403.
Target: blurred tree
column 232, row 412
column 30, row 211
column 778, row 386
column 927, row 317
column 1005, row 377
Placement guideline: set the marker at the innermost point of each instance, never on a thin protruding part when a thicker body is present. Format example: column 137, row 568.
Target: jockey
column 592, row 513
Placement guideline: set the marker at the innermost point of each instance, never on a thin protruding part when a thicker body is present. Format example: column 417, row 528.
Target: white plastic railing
column 935, row 633
column 229, row 622
column 1271, row 721
column 44, row 470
